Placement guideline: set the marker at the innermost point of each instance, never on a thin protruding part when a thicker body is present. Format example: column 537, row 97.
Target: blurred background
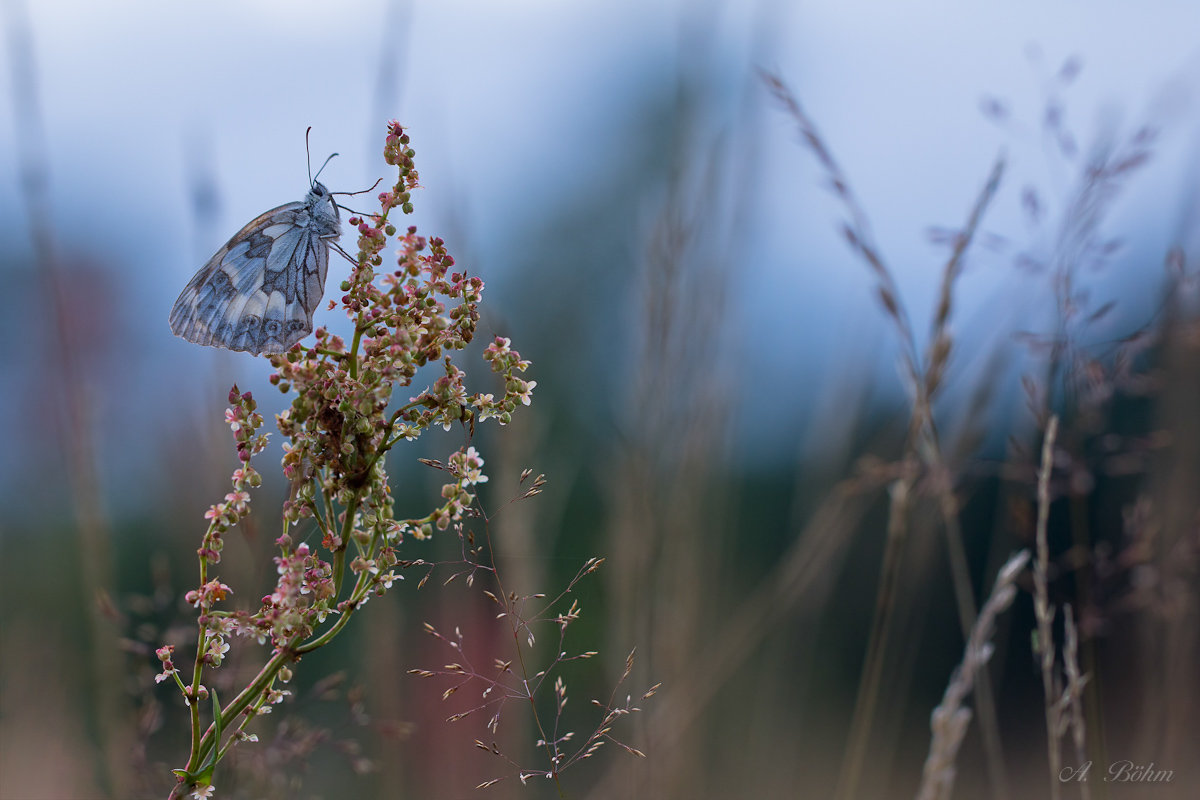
column 718, row 412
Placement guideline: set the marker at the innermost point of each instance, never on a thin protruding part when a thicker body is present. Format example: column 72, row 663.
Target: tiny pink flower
column 238, row 499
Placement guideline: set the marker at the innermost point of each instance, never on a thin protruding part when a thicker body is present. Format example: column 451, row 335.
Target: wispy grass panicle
column 523, row 677
column 924, row 376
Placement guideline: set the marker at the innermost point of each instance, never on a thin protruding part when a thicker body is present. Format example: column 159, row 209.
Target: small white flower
column 525, row 393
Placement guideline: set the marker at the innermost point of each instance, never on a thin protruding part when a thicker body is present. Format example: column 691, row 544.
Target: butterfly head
column 317, row 193
column 320, row 201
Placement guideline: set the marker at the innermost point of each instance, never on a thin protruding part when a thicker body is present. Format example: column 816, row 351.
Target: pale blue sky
column 514, row 104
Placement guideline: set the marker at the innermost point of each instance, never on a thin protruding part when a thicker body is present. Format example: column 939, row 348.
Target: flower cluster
column 466, row 466
column 245, row 421
column 300, row 601
column 169, row 670
column 505, row 360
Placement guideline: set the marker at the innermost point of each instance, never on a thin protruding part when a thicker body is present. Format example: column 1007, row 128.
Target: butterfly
column 259, row 292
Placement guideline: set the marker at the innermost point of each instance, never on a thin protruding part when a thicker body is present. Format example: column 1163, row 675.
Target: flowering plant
column 337, row 431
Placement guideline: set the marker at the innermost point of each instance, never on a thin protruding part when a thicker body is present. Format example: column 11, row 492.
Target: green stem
column 239, row 704
column 323, row 513
column 358, row 332
column 339, row 571
column 339, row 555
column 318, row 517
column 233, row 737
column 197, row 671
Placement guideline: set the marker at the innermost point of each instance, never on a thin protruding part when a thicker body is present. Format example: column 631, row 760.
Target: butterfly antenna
column 308, row 155
column 363, row 191
column 331, row 157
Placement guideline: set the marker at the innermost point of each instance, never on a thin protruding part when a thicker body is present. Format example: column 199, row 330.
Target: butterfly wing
column 259, row 292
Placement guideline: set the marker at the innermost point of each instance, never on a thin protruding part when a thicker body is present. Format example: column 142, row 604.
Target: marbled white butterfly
column 259, row 292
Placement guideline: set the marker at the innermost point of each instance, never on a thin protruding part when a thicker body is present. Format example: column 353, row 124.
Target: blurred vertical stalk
column 800, row 580
column 75, row 430
column 389, row 80
column 885, row 601
column 384, row 664
column 1173, row 628
column 659, row 541
column 1092, row 689
column 670, row 502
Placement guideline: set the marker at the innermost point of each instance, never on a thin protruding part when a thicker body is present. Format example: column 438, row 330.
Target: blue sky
column 515, row 104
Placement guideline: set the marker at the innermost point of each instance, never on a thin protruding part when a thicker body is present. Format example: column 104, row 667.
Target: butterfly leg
column 344, row 254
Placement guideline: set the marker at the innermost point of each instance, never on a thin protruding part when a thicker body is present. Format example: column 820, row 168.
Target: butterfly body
column 259, row 292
